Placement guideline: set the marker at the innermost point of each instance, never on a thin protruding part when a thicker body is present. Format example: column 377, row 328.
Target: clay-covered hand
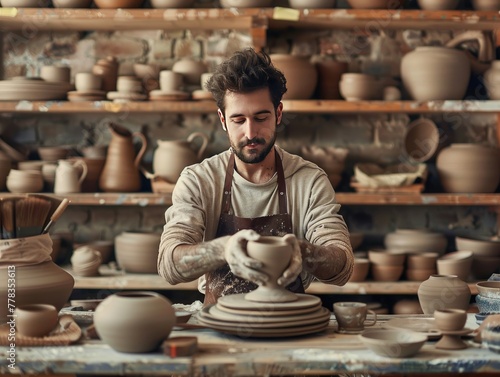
column 238, row 260
column 295, row 267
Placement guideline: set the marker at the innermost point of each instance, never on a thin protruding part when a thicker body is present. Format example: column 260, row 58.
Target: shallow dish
column 393, row 343
column 490, row 289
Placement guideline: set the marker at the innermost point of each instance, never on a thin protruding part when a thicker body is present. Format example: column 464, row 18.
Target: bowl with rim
column 394, row 343
column 490, row 289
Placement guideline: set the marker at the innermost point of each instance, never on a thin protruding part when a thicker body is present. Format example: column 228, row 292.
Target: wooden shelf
column 112, row 279
column 144, row 199
column 291, row 106
column 241, row 19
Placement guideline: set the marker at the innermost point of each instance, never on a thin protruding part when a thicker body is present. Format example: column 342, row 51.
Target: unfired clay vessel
column 191, row 70
column 469, row 168
column 450, row 319
column 416, row 240
column 121, row 170
column 137, row 251
column 275, row 255
column 329, row 74
column 443, row 292
column 68, row 178
column 35, row 320
column 300, row 74
column 36, row 283
column 134, row 322
column 172, row 156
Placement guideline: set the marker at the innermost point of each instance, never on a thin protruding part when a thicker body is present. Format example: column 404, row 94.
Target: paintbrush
column 8, row 218
column 57, row 213
column 31, row 214
column 54, row 203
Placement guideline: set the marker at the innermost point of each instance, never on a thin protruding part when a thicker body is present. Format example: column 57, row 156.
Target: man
column 255, row 188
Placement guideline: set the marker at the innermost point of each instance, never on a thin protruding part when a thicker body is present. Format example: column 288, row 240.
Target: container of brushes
column 31, row 215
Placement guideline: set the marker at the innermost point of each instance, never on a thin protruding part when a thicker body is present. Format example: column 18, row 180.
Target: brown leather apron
column 222, row 281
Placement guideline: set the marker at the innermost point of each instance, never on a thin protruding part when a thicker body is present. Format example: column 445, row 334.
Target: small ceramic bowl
column 386, row 273
column 361, row 269
column 422, row 261
column 438, row 5
column 487, row 304
column 36, row 320
column 450, row 319
column 393, row 343
column 490, row 289
column 387, row 257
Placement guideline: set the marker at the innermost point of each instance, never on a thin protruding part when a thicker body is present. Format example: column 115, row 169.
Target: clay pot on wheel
column 135, row 322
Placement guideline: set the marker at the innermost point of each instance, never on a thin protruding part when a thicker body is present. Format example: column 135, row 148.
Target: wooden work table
column 325, row 353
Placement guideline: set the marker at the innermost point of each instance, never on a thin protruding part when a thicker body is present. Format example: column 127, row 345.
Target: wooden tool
column 180, row 346
column 31, row 215
column 57, row 213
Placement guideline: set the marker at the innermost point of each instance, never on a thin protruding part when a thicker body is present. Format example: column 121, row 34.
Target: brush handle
column 57, row 213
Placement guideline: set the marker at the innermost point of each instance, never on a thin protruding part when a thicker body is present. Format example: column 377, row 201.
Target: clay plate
column 238, row 302
column 425, row 326
column 269, row 311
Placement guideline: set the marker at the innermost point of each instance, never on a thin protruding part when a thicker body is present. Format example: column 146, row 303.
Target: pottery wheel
column 238, row 301
column 235, row 315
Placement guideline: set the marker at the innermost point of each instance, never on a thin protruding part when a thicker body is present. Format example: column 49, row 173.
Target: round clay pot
column 41, row 283
column 458, row 263
column 137, row 252
column 301, row 75
column 311, row 4
column 435, row 73
column 103, row 247
column 382, row 272
column 359, row 87
column 480, row 246
column 450, row 319
column 438, row 5
column 416, row 240
column 469, row 168
column 107, row 69
column 443, row 292
column 422, row 261
column 360, row 270
column 387, row 257
column 35, row 320
column 134, row 322
column 54, row 73
column 86, row 261
column 486, row 4
column 275, row 255
column 24, row 181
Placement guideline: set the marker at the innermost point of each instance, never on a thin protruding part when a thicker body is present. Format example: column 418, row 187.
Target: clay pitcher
column 69, row 176
column 172, row 156
column 121, row 170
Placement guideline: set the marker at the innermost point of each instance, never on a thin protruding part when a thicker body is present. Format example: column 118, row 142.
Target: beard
column 253, row 157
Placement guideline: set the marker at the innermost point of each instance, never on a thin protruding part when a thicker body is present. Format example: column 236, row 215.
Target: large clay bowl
column 386, row 273
column 480, row 246
column 416, row 240
column 422, row 261
column 458, row 263
column 438, row 4
column 360, row 270
column 387, row 257
column 392, row 342
column 486, row 4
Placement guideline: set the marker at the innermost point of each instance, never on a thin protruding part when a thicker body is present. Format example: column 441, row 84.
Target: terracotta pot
column 382, row 272
column 275, row 255
column 24, row 181
column 329, row 74
column 486, row 4
column 387, row 257
column 148, row 321
column 469, row 168
column 86, row 261
column 301, row 75
column 421, row 261
column 450, row 319
column 179, row 154
column 121, row 170
column 458, row 263
column 361, row 269
column 129, row 244
column 36, row 283
column 443, row 292
column 94, row 169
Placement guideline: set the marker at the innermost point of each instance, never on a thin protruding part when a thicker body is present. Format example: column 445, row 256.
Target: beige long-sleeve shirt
column 194, row 214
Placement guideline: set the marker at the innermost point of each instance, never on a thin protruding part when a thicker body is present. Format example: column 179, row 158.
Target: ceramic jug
column 69, row 176
column 121, row 169
column 172, row 156
column 442, row 73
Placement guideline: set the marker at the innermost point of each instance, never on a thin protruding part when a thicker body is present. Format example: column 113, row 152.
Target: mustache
column 255, row 140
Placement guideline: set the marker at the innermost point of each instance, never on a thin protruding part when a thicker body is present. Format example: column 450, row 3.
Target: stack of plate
column 32, row 89
column 235, row 315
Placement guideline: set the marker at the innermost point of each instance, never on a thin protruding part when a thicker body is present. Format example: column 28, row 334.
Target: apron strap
column 226, row 196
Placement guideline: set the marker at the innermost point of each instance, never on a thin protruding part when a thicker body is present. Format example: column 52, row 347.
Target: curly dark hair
column 245, row 72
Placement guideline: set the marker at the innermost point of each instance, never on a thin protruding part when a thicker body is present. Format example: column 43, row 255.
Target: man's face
column 251, row 121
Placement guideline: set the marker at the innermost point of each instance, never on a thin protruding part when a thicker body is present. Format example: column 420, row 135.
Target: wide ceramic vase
column 135, row 322
column 443, row 292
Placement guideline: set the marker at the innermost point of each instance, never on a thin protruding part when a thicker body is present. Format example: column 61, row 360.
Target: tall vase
column 443, row 292
column 135, row 322
column 121, row 169
column 28, row 275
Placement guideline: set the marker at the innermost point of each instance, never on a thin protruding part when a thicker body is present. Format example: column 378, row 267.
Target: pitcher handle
column 144, row 145
column 83, row 164
column 204, row 143
column 486, row 48
column 373, row 321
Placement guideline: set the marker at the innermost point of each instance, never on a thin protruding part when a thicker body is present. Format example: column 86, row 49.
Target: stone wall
column 376, row 138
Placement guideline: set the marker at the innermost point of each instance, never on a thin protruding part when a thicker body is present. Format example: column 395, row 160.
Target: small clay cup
column 86, row 81
column 35, row 320
column 351, row 316
column 450, row 319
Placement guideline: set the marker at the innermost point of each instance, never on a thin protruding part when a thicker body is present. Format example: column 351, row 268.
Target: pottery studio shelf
column 244, row 18
column 292, row 106
column 144, row 199
column 114, row 279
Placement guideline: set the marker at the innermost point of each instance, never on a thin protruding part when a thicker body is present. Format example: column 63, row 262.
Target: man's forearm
column 192, row 261
column 327, row 263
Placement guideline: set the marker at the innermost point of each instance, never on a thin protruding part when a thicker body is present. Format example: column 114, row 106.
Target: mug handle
column 373, row 321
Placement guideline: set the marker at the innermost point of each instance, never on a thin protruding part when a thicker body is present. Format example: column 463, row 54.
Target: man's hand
column 295, row 266
column 238, row 260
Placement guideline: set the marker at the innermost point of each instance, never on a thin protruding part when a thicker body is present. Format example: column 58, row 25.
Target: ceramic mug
column 36, row 320
column 351, row 316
